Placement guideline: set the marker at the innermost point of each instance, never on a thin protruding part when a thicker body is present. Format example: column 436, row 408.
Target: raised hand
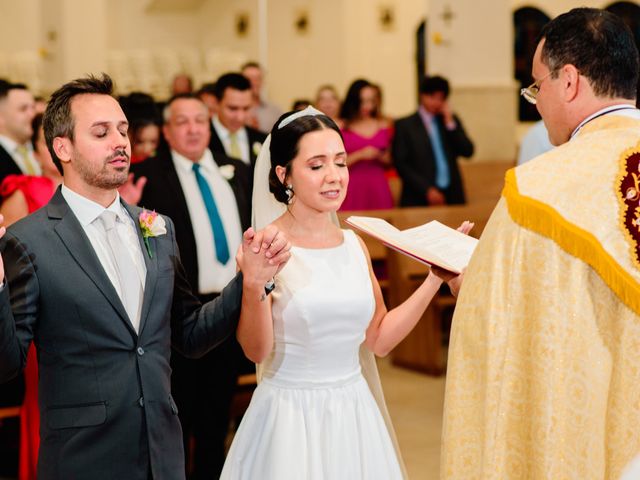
column 264, row 253
column 130, row 191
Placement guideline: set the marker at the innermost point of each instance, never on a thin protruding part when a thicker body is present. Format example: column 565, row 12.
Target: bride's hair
column 284, row 146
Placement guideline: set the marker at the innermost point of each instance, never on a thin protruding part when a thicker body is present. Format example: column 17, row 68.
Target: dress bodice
column 322, row 306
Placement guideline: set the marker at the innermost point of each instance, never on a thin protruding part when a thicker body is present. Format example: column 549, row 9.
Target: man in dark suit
column 230, row 135
column 104, row 297
column 426, row 146
column 17, row 109
column 203, row 388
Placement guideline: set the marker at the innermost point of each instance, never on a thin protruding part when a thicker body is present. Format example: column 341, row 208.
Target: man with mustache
column 98, row 285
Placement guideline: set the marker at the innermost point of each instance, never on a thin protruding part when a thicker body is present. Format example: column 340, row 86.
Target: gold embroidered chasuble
column 543, row 378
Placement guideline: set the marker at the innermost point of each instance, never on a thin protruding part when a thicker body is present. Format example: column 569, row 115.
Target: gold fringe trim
column 544, row 220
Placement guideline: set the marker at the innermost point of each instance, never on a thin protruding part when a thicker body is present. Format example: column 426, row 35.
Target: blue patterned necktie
column 442, row 167
column 222, row 247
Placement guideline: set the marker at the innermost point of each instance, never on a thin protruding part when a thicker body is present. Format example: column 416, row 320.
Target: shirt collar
column 222, row 131
column 426, row 116
column 185, row 165
column 602, row 112
column 87, row 210
column 11, row 145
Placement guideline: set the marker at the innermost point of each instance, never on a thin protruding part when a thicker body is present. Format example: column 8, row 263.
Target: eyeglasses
column 531, row 92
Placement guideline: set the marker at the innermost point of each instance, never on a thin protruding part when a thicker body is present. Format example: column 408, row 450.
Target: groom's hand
column 271, row 242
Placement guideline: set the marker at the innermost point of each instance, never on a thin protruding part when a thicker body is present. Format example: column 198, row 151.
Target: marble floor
column 415, row 404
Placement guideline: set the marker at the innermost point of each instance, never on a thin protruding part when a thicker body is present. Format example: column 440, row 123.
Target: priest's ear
column 572, row 82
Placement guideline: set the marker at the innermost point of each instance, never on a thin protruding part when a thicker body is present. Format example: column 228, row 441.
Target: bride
column 314, row 415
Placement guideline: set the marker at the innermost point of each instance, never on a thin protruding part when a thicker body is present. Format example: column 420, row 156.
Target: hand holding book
column 432, row 243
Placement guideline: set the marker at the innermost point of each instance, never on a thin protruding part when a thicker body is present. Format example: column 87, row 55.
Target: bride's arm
column 388, row 328
column 255, row 327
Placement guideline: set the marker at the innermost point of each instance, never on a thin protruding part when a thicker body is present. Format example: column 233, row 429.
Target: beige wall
column 46, row 42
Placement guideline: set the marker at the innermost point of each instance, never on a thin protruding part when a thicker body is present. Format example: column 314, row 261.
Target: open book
column 432, row 243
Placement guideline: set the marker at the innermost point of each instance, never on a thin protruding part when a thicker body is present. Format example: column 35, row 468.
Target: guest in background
column 207, row 94
column 230, row 136
column 426, row 148
column 22, row 195
column 209, row 199
column 182, row 83
column 328, row 102
column 17, row 109
column 534, row 143
column 144, row 135
column 367, row 140
column 300, row 104
column 40, row 105
column 263, row 114
column 144, row 124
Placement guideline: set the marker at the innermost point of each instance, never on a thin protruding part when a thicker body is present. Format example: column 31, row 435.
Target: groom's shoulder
column 33, row 223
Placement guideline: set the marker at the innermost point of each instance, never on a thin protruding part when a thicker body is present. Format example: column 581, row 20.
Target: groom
column 104, row 305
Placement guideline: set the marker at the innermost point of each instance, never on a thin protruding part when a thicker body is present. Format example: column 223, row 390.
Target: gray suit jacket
column 104, row 391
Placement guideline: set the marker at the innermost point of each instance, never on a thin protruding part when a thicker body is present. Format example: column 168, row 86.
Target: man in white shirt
column 209, row 199
column 98, row 285
column 17, row 109
column 230, row 136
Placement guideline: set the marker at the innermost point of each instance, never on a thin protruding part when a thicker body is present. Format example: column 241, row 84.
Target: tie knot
column 108, row 220
column 196, row 167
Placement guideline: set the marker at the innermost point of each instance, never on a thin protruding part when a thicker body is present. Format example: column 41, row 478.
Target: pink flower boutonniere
column 151, row 225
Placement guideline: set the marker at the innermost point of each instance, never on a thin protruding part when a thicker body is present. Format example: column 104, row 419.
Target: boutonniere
column 256, row 148
column 227, row 171
column 152, row 225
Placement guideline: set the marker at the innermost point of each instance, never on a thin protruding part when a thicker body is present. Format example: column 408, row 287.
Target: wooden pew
column 422, row 349
column 483, row 180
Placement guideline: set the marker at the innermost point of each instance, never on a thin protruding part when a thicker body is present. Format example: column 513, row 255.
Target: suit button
column 141, row 402
column 140, row 351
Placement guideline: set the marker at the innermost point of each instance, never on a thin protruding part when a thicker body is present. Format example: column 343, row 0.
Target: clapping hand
column 453, row 280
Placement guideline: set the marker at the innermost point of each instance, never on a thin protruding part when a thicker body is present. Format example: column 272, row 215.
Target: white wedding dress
column 313, row 416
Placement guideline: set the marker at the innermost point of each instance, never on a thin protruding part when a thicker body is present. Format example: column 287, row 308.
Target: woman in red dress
column 21, row 195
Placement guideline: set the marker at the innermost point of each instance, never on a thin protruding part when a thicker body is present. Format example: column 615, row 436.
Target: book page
column 431, row 243
column 445, row 244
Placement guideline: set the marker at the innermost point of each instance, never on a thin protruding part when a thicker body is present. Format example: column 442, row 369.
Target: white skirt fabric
column 321, row 433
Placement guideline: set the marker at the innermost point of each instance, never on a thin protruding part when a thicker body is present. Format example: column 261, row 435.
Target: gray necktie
column 128, row 277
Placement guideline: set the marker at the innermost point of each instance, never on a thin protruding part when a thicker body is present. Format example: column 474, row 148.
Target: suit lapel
column 150, row 262
column 79, row 247
column 422, row 137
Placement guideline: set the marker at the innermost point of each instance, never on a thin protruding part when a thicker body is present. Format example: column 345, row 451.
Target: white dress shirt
column 87, row 212
column 12, row 148
column 241, row 137
column 212, row 275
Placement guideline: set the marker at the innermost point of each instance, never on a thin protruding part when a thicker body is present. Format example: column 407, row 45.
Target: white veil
column 266, row 209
